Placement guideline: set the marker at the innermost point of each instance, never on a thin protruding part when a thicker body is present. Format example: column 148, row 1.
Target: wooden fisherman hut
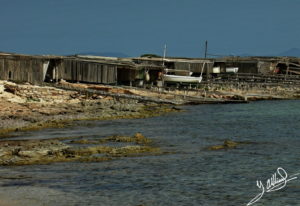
column 86, row 70
column 23, row 68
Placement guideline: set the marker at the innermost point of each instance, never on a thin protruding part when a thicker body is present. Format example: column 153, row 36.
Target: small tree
column 151, row 55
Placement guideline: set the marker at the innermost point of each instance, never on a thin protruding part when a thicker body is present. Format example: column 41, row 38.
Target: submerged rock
column 138, row 138
column 27, row 152
column 231, row 144
column 228, row 144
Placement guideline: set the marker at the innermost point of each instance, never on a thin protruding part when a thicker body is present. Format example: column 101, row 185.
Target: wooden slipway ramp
column 141, row 95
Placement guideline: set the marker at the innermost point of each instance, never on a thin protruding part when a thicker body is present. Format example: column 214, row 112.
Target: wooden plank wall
column 265, row 67
column 126, row 74
column 3, row 73
column 93, row 72
column 21, row 69
column 247, row 67
column 193, row 67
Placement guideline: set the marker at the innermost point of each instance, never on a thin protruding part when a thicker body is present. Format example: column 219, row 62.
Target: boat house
column 133, row 71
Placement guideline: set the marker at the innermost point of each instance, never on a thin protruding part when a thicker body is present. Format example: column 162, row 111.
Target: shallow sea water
column 189, row 175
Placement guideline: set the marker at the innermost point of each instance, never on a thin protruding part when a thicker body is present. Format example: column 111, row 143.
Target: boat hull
column 181, row 79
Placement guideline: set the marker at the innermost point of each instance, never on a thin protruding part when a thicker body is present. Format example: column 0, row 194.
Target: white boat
column 180, row 76
column 181, row 79
column 232, row 69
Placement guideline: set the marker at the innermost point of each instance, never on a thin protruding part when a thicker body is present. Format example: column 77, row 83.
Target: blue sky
column 134, row 27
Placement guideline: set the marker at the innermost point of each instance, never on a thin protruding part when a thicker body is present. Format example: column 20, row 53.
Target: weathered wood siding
column 247, row 67
column 266, row 67
column 83, row 71
column 21, row 69
column 194, row 67
column 126, row 74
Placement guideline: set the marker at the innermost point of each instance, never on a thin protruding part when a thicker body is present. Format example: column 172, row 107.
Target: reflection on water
column 190, row 175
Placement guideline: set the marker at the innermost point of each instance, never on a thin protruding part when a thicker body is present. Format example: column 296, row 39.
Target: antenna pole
column 205, row 54
column 164, row 56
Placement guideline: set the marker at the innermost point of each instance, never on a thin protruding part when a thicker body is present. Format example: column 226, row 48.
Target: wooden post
column 205, row 53
column 3, row 69
column 287, row 70
column 56, row 73
column 164, row 55
column 116, row 75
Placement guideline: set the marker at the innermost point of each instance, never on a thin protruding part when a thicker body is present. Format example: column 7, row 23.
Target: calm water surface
column 191, row 175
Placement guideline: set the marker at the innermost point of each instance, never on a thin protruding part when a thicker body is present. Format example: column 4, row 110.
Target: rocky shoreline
column 31, row 107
